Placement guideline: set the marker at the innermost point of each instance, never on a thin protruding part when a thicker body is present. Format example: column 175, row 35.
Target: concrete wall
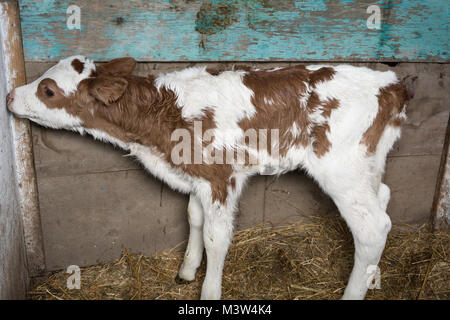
column 13, row 268
column 94, row 201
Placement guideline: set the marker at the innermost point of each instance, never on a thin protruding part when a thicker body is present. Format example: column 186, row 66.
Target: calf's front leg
column 194, row 250
column 217, row 235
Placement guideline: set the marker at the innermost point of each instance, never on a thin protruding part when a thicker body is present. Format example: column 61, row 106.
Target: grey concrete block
column 292, row 196
column 412, row 181
column 251, row 205
column 89, row 219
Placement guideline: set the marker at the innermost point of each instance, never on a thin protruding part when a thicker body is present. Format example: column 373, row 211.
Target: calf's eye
column 49, row 92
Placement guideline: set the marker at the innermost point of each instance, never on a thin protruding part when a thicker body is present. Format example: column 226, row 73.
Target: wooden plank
column 237, row 30
column 251, row 205
column 13, row 268
column 25, row 175
column 89, row 219
column 441, row 204
column 293, row 196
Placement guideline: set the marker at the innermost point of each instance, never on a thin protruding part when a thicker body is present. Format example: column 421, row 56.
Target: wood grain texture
column 441, row 203
column 14, row 276
column 237, row 30
column 24, row 161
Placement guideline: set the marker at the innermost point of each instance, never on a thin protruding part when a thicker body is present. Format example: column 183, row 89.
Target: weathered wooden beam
column 441, row 204
column 23, row 155
column 236, row 30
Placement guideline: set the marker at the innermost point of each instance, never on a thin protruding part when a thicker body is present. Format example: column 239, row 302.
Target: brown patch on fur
column 328, row 106
column 320, row 75
column 277, row 96
column 397, row 122
column 233, row 183
column 241, row 67
column 321, row 144
column 118, row 67
column 277, row 102
column 108, row 89
column 215, row 71
column 218, row 70
column 391, row 101
column 77, row 65
column 51, row 95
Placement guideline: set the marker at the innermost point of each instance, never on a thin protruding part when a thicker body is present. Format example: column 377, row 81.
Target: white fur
column 295, row 131
column 194, row 250
column 346, row 172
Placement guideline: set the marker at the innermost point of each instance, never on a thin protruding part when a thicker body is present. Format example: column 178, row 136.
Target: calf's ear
column 107, row 89
column 117, row 67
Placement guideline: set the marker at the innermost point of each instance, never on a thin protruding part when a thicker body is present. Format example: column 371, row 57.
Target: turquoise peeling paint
column 237, row 30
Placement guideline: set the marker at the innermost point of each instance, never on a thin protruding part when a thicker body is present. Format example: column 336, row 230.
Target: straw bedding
column 311, row 259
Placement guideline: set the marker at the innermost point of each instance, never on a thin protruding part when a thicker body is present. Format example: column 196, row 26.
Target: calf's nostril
column 9, row 99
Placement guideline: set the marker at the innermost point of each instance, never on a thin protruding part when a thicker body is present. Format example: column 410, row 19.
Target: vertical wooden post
column 441, row 203
column 24, row 162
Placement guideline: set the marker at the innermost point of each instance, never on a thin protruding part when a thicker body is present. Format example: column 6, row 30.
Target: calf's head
column 64, row 96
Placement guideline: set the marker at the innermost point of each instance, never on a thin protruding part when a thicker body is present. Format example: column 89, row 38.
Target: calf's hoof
column 179, row 280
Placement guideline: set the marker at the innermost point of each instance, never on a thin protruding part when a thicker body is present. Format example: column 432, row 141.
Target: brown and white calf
column 337, row 123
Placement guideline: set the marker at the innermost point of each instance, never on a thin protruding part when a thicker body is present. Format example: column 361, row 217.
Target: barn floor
column 307, row 260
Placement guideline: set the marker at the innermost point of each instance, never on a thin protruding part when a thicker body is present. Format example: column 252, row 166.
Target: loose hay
column 307, row 260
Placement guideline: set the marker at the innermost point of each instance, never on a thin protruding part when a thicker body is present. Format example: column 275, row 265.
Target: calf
column 337, row 123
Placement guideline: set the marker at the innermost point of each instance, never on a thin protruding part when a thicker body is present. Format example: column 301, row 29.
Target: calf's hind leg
column 357, row 199
column 369, row 225
column 384, row 194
